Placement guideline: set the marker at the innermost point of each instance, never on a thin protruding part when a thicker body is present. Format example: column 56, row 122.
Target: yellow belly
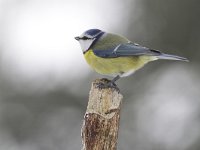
column 116, row 66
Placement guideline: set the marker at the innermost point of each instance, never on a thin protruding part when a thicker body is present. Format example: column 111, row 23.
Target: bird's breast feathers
column 122, row 66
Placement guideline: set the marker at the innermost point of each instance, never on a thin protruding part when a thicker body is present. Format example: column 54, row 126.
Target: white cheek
column 85, row 44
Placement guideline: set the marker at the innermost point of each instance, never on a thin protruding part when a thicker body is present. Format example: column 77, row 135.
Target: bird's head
column 89, row 38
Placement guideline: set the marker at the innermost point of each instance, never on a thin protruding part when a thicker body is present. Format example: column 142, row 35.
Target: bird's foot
column 105, row 83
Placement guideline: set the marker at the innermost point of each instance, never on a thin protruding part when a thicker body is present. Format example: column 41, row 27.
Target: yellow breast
column 116, row 66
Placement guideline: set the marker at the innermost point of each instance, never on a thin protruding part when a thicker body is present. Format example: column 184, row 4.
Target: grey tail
column 171, row 57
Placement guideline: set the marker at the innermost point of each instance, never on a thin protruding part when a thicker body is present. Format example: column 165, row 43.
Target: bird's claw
column 108, row 84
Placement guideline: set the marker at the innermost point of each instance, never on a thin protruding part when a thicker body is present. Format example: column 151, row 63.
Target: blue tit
column 114, row 55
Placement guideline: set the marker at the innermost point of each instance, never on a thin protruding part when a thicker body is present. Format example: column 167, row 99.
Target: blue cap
column 93, row 32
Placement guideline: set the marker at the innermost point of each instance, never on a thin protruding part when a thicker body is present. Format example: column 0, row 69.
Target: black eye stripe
column 85, row 38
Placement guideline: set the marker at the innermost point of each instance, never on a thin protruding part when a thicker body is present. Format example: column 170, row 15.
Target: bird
column 114, row 55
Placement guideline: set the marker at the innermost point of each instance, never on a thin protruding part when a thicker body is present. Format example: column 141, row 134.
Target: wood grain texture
column 101, row 121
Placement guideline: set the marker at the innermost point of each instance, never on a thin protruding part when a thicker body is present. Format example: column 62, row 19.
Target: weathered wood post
column 101, row 120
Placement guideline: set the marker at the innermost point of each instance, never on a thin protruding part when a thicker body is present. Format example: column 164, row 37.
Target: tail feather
column 171, row 57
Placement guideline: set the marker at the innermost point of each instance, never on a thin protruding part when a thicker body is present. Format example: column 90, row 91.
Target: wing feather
column 125, row 50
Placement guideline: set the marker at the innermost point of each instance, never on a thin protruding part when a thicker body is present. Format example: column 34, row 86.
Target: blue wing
column 125, row 50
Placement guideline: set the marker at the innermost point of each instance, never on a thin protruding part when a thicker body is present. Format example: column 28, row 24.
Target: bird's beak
column 77, row 38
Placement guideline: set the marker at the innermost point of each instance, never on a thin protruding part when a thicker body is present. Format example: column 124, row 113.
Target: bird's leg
column 112, row 82
column 109, row 84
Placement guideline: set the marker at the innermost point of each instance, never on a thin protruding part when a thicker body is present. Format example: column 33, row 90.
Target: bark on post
column 101, row 120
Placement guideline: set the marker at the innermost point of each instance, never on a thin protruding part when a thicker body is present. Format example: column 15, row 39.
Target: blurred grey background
column 45, row 81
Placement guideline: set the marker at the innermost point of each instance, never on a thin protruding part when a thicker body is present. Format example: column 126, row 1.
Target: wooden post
column 101, row 120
